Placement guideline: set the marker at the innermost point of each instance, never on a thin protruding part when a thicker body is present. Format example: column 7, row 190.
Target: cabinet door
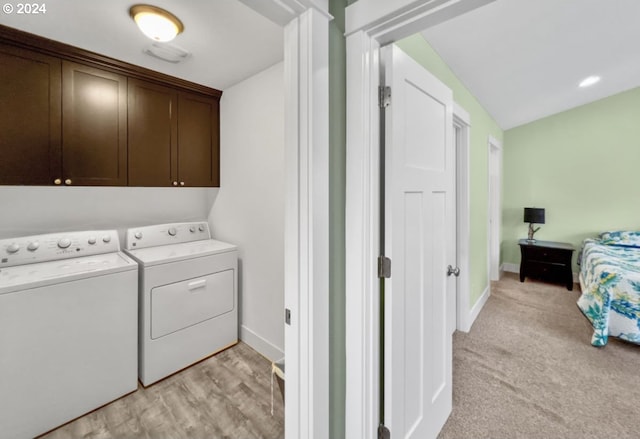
column 153, row 139
column 94, row 126
column 198, row 140
column 29, row 117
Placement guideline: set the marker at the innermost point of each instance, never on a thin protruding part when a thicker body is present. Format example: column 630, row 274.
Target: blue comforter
column 610, row 282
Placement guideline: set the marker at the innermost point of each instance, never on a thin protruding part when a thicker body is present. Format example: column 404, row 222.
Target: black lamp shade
column 534, row 215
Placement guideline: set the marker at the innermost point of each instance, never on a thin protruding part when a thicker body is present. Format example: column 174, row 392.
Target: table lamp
column 533, row 215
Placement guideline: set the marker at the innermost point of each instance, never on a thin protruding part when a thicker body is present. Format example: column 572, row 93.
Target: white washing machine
column 68, row 328
column 188, row 296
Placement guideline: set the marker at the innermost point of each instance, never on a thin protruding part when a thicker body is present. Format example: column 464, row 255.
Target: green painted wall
column 482, row 126
column 337, row 192
column 581, row 166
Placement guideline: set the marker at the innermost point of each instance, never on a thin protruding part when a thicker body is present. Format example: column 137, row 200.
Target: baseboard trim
column 510, row 268
column 260, row 344
column 515, row 268
column 475, row 310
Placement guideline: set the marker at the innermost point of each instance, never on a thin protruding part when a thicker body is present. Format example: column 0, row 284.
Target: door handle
column 454, row 271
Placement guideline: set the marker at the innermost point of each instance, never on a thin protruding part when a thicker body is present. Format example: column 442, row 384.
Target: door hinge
column 384, row 267
column 383, row 432
column 287, row 316
column 384, row 96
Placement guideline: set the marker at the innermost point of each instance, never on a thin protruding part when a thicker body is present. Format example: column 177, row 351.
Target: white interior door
column 420, row 238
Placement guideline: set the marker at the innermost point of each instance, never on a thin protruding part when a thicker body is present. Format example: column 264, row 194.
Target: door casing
column 370, row 24
column 494, row 172
column 462, row 123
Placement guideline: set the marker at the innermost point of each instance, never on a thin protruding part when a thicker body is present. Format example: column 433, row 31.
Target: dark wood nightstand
column 547, row 260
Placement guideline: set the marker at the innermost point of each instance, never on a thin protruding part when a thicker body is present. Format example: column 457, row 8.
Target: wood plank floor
column 225, row 396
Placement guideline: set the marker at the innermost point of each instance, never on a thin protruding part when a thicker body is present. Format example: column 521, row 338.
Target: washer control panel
column 54, row 246
column 166, row 234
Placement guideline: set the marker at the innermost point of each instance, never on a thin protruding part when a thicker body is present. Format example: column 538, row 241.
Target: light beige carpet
column 527, row 370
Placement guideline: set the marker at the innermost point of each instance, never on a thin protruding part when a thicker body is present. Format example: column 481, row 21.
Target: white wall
column 249, row 209
column 31, row 210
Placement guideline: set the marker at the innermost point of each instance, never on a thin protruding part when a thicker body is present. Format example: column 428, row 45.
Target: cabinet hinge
column 384, row 96
column 383, row 432
column 384, row 267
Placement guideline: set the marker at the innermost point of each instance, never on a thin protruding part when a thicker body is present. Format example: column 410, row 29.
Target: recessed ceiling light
column 587, row 82
column 156, row 23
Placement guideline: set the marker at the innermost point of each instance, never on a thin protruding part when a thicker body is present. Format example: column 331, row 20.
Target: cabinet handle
column 175, row 183
column 67, row 181
column 57, row 181
column 182, row 183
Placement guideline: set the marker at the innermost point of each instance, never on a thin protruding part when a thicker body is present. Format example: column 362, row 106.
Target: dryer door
column 182, row 304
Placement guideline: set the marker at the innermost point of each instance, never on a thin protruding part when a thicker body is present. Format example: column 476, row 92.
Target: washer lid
column 22, row 277
column 179, row 252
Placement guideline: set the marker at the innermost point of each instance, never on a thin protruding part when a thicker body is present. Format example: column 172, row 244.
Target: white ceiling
column 523, row 59
column 229, row 42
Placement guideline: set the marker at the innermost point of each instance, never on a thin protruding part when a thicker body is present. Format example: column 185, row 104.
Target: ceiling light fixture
column 156, row 23
column 587, row 82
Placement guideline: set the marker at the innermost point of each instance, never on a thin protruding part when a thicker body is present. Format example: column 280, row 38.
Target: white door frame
column 495, row 208
column 369, row 24
column 306, row 61
column 462, row 122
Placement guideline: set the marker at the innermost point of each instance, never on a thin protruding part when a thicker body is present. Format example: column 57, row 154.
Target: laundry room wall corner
column 249, row 209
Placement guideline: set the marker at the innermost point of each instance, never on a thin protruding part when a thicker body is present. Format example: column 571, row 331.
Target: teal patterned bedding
column 610, row 282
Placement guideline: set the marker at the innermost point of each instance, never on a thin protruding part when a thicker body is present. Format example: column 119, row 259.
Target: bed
column 610, row 283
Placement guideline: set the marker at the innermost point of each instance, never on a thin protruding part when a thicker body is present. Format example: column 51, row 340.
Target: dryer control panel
column 55, row 246
column 166, row 234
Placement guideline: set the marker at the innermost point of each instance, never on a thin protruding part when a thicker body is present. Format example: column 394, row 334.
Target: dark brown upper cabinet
column 94, row 126
column 153, row 134
column 198, row 140
column 30, row 113
column 174, row 138
column 73, row 117
column 62, row 123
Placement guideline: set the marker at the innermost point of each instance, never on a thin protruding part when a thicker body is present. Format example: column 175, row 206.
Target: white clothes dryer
column 68, row 328
column 188, row 296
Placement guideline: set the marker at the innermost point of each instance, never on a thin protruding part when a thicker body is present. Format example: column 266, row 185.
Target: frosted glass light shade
column 156, row 23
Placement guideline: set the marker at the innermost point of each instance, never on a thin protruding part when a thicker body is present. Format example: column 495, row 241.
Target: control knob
column 33, row 246
column 201, row 227
column 13, row 248
column 192, row 229
column 138, row 235
column 172, row 231
column 106, row 238
column 64, row 243
column 91, row 240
